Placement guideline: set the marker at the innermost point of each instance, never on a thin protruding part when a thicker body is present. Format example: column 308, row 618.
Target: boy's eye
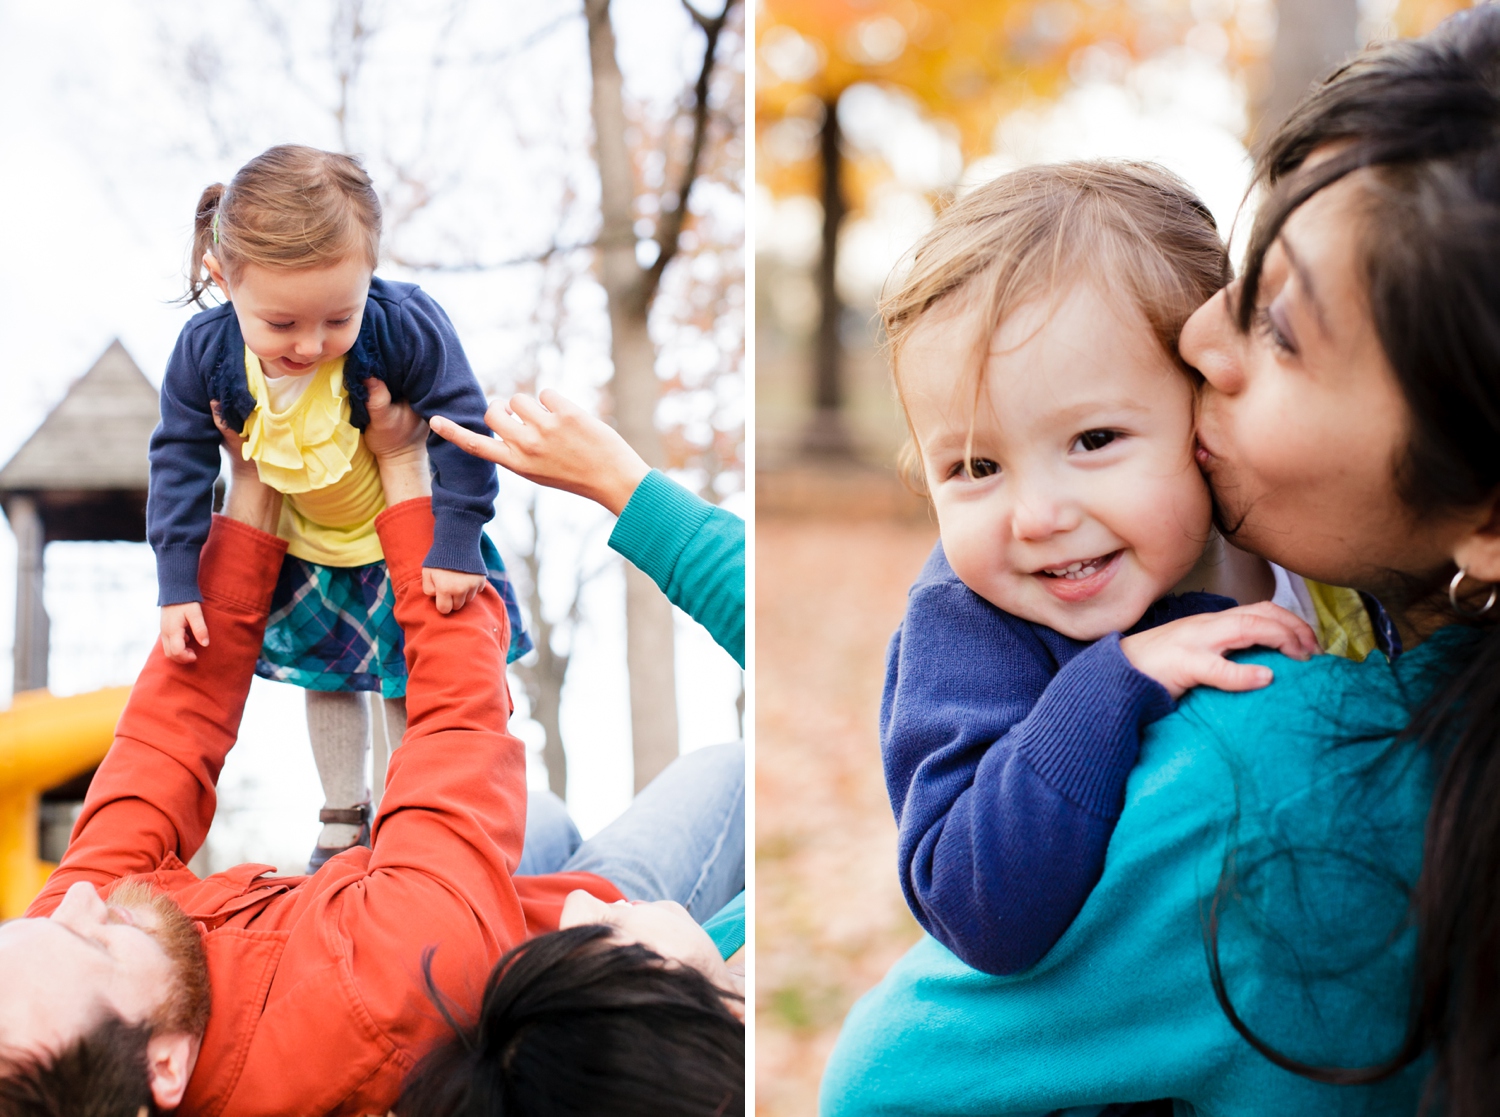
column 344, row 321
column 1094, row 440
column 977, row 468
column 281, row 325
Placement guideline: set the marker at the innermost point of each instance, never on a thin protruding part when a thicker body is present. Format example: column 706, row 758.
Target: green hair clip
column 216, row 226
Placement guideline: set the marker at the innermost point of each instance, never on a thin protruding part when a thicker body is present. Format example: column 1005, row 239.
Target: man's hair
column 1134, row 229
column 102, row 1074
column 572, row 1023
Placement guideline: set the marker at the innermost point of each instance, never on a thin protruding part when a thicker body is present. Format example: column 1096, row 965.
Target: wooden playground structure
column 81, row 476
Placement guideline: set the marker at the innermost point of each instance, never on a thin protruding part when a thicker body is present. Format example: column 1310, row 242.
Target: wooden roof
column 96, row 438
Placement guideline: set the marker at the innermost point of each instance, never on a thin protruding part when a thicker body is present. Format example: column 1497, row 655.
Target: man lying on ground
column 134, row 986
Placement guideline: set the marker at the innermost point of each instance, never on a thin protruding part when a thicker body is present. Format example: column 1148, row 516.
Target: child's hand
column 1189, row 652
column 176, row 622
column 450, row 590
column 555, row 442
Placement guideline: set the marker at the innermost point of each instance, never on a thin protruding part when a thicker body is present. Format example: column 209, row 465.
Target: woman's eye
column 1094, row 440
column 1264, row 324
column 976, row 468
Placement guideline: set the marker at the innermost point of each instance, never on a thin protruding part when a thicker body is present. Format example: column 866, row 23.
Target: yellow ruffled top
column 315, row 457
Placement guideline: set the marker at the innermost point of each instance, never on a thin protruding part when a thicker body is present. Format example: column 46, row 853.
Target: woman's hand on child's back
column 556, row 443
column 176, row 622
column 1190, row 652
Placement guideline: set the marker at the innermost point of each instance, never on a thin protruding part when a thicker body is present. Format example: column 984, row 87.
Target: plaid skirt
column 335, row 628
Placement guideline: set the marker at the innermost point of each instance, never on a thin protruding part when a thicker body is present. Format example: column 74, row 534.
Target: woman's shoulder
column 1325, row 734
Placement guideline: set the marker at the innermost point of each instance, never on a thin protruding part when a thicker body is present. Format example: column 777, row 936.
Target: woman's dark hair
column 1419, row 123
column 573, row 1024
column 102, row 1074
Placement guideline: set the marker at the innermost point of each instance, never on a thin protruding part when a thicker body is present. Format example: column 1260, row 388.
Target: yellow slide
column 44, row 741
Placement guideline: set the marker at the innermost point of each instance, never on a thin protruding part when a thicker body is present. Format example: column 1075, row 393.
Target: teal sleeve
column 1301, row 790
column 693, row 551
column 727, row 926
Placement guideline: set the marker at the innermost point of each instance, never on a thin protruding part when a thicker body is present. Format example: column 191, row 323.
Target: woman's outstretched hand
column 554, row 442
column 1189, row 652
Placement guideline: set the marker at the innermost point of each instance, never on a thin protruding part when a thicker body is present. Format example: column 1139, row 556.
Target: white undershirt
column 1291, row 594
column 286, row 390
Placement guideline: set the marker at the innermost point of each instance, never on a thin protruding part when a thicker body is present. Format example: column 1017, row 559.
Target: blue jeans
column 683, row 838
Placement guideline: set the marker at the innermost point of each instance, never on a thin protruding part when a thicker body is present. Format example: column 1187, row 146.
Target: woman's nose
column 1212, row 344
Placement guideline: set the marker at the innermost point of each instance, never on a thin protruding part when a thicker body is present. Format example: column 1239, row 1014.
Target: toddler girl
column 1033, row 343
column 292, row 244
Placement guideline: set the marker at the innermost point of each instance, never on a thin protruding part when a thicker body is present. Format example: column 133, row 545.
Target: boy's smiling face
column 1084, row 504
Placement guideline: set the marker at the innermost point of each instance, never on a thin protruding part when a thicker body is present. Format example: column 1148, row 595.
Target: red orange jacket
column 318, row 1000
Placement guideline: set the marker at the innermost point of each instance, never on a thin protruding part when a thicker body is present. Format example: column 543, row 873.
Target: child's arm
column 694, row 551
column 430, row 372
column 184, row 458
column 1006, row 773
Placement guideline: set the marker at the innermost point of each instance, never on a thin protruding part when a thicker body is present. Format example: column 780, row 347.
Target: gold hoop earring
column 1458, row 578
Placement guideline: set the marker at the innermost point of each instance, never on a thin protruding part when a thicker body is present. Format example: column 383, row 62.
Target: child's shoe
column 345, row 816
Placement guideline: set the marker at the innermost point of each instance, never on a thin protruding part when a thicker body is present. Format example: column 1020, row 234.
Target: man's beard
column 185, row 1009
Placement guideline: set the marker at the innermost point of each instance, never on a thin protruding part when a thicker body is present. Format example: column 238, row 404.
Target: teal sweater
column 1324, row 814
column 693, row 551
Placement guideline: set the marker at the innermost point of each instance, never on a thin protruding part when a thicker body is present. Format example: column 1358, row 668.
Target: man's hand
column 397, row 437
column 176, row 622
column 1190, row 652
column 450, row 590
column 554, row 442
column 250, row 500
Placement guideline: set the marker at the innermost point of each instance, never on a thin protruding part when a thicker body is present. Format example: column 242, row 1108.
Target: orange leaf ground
column 830, row 919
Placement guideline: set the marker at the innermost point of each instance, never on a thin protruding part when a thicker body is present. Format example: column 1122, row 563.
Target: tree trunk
column 636, row 388
column 828, row 433
column 1312, row 37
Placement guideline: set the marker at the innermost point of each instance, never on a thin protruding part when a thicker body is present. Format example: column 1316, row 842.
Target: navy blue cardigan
column 1006, row 749
column 405, row 340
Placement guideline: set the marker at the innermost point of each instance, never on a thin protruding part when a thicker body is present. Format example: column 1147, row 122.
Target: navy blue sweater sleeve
column 184, row 458
column 426, row 366
column 1006, row 750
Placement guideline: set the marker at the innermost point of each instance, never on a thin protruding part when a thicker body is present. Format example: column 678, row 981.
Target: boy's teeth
column 1075, row 571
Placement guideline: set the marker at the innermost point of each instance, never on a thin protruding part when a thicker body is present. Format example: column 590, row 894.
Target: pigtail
column 204, row 240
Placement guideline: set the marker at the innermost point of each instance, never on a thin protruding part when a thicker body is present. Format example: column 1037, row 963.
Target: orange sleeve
column 154, row 793
column 453, row 815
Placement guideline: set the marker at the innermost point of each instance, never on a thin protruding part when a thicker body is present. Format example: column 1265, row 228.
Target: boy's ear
column 216, row 273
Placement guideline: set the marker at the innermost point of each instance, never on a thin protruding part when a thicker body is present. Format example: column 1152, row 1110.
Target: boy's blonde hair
column 1132, row 228
column 289, row 207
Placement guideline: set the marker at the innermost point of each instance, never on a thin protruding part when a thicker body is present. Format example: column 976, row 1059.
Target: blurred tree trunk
column 631, row 286
column 1312, row 37
column 544, row 679
column 828, row 433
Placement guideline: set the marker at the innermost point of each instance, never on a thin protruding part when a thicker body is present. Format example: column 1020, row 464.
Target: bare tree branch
column 669, row 228
column 444, row 267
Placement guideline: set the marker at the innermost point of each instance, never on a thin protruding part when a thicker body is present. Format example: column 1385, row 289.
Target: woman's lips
column 1081, row 589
